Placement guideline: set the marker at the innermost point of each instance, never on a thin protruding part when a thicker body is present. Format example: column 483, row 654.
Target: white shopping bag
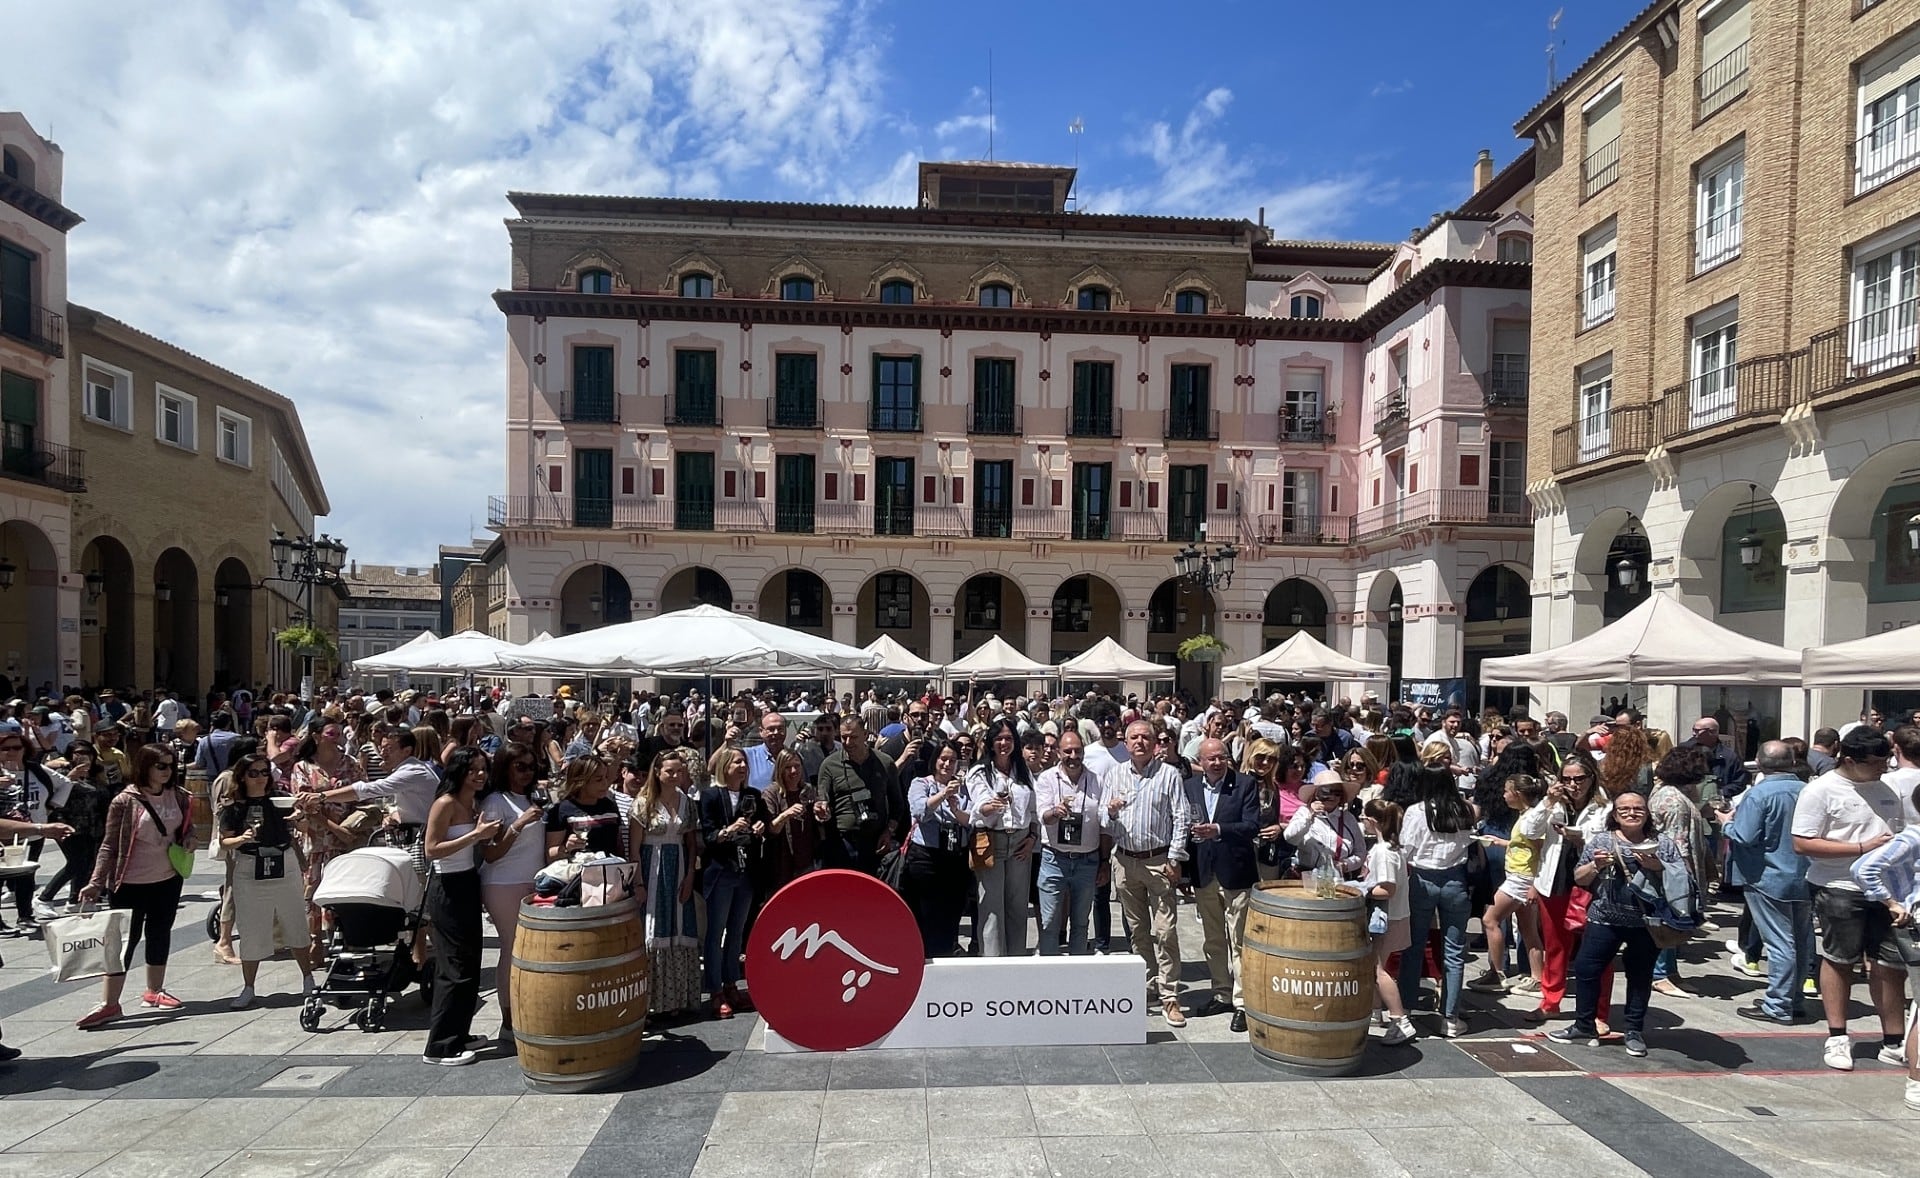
column 88, row 945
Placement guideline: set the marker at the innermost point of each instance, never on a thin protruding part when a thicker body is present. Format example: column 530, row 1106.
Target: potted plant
column 304, row 639
column 1201, row 648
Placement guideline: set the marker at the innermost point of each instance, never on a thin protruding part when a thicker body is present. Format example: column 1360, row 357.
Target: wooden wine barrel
column 1306, row 967
column 580, row 991
column 204, row 822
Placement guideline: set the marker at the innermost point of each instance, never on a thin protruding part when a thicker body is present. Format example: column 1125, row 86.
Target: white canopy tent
column 994, row 659
column 1108, row 659
column 464, row 653
column 1658, row 641
column 704, row 640
column 896, row 659
column 1305, row 659
column 1878, row 660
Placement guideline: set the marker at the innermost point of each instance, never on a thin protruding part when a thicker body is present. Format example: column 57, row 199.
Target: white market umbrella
column 994, row 659
column 1658, row 641
column 1878, row 660
column 1305, row 659
column 457, row 654
column 1107, row 659
column 896, row 659
column 704, row 640
column 373, row 661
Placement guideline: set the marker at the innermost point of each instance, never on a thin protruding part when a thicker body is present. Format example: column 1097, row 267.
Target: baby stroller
column 373, row 898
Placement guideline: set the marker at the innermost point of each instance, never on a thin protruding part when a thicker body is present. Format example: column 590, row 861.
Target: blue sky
column 311, row 192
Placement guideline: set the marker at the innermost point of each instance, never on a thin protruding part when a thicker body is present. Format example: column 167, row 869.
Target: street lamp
column 1205, row 570
column 1393, row 613
column 1750, row 543
column 162, row 591
column 96, row 582
column 1626, row 569
column 306, row 561
column 1913, row 532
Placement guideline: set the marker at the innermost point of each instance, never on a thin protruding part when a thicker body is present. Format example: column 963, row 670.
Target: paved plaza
column 212, row 1091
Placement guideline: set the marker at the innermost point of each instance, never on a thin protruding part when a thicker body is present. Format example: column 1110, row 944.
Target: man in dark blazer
column 1226, row 818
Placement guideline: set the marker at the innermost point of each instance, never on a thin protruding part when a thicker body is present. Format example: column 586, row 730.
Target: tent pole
column 709, row 713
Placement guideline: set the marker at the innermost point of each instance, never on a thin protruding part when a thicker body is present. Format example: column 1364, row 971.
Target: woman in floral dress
column 664, row 837
column 321, row 764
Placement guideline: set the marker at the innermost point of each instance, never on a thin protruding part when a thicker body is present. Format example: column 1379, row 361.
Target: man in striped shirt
column 1148, row 812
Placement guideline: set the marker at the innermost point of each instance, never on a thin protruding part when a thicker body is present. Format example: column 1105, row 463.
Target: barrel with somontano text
column 580, row 992
column 1306, row 969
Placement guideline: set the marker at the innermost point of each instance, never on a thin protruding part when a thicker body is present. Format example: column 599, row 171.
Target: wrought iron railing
column 700, row 409
column 34, row 326
column 795, row 414
column 1083, row 424
column 1724, row 80
column 1390, row 411
column 1192, row 426
column 60, row 467
column 1299, row 528
column 1890, row 149
column 993, row 420
column 1298, row 425
column 1602, row 166
column 1506, row 381
column 893, row 419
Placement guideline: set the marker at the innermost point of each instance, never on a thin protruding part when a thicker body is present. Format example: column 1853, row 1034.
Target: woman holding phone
column 455, row 829
column 269, row 898
column 1000, row 801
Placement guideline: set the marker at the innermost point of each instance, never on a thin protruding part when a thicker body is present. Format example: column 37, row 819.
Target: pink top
column 149, row 862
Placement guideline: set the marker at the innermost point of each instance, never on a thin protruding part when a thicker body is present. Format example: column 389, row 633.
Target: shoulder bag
column 178, row 854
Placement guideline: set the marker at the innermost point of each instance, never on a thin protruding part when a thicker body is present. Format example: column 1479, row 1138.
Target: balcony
column 896, row 519
column 1597, row 307
column 1143, row 525
column 1882, row 340
column 994, row 421
column 992, row 521
column 1087, row 525
column 1421, row 508
column 1716, row 240
column 794, row 518
column 743, row 515
column 1295, row 528
column 799, row 415
column 694, row 514
column 1511, row 511
column 894, row 419
column 590, row 409
column 1611, row 433
column 549, row 511
column 1082, row 423
column 1506, row 382
column 1601, row 167
column 1299, row 425
column 699, row 409
column 1390, row 412
column 60, row 467
column 34, row 326
column 1888, row 151
column 1194, row 426
column 843, row 519
column 1724, row 80
column 1225, row 527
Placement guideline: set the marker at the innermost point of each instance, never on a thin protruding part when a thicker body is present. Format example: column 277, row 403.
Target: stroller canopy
column 381, row 876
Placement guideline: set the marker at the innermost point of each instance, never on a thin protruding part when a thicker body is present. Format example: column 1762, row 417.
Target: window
column 235, row 442
column 896, row 394
column 1882, row 332
column 796, row 289
column 1300, row 504
column 993, row 499
column 892, row 497
column 1300, row 416
column 1889, row 129
column 18, row 314
column 1095, row 298
column 896, row 290
column 1304, row 306
column 983, row 602
column 1399, row 373
column 796, row 401
column 994, row 397
column 1711, row 394
column 1596, row 405
column 1507, row 375
column 893, row 601
column 596, row 282
column 1602, row 142
column 696, row 381
column 11, row 165
column 109, row 395
column 1723, row 53
column 1092, row 413
column 692, row 491
column 1402, row 273
column 793, row 495
column 1514, row 247
column 1190, row 302
column 1092, row 506
column 996, row 294
column 174, row 414
column 593, row 393
column 1507, row 479
column 1186, row 502
column 1597, row 252
column 1189, row 415
column 697, row 286
column 1719, row 193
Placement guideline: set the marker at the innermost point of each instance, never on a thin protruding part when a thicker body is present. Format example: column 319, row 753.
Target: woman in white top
column 1577, row 809
column 454, row 830
column 509, row 863
column 1000, row 800
column 665, row 836
column 1385, row 885
column 1435, row 834
column 1326, row 832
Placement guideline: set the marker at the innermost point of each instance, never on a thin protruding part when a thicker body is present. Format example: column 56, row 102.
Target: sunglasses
column 1629, row 809
column 1575, row 778
column 163, row 764
column 256, row 773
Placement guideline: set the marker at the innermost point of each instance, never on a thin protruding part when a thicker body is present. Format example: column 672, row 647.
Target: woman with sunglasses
column 133, row 867
column 1360, row 775
column 455, row 827
column 509, row 863
column 269, row 902
column 1272, row 853
column 1577, row 809
column 85, row 810
column 321, row 763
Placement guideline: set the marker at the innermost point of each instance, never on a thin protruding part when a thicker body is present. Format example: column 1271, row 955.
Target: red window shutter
column 1469, row 470
column 1333, row 500
column 626, row 480
column 659, row 481
column 1413, row 478
column 553, row 479
column 1376, row 492
column 929, row 488
column 1219, row 496
column 1058, row 493
column 959, row 489
column 859, row 488
column 1153, row 496
column 759, row 484
column 1126, row 493
column 730, row 485
column 1026, row 492
column 1270, row 490
column 832, row 485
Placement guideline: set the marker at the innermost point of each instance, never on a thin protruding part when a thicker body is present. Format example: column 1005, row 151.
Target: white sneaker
column 1838, row 1053
column 1454, row 1028
column 1400, row 1030
column 1913, row 1095
column 1894, row 1056
column 451, row 1061
column 244, row 999
column 43, row 911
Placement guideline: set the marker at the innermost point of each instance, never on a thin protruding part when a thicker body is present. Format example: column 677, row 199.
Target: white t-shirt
column 1429, row 849
column 1831, row 807
column 1386, row 865
column 527, row 855
column 1097, row 760
column 1902, row 782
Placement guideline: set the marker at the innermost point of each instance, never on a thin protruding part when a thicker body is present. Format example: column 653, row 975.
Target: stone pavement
column 210, row 1091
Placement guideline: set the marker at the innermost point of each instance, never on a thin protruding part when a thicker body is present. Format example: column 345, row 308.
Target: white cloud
column 312, row 194
column 1387, row 89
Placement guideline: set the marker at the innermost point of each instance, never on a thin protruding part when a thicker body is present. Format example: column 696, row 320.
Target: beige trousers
column 1223, row 918
column 1147, row 897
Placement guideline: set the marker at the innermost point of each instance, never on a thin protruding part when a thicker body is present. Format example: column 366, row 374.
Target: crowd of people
column 1009, row 825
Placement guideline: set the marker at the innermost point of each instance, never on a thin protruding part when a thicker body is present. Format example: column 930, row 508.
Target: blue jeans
column 1786, row 929
column 1665, row 964
column 1597, row 948
column 729, row 896
column 1440, row 894
column 1066, row 899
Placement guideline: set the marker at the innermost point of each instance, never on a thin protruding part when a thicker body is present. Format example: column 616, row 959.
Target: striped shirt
column 1893, row 871
column 1156, row 814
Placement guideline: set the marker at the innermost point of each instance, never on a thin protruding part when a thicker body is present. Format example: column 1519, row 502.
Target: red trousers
column 1559, row 944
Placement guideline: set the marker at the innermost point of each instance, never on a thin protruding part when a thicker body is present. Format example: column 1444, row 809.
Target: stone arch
column 1096, row 275
column 1700, row 536
column 902, row 270
column 997, row 271
column 1193, row 279
column 908, row 620
column 796, row 266
column 176, row 622
column 1499, row 584
column 1292, row 605
column 234, row 641
column 1856, row 513
column 1004, row 615
column 107, row 640
column 799, row 598
column 593, row 259
column 591, row 595
column 1084, row 614
column 695, row 262
column 695, row 585
column 30, row 607
column 1590, row 554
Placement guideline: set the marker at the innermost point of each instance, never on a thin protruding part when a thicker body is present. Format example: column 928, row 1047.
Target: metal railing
column 1622, row 429
column 1092, row 526
column 894, row 520
column 1724, row 80
column 1041, row 523
column 843, row 519
column 795, row 415
column 1297, row 425
column 51, row 465
column 1596, row 305
column 992, row 521
column 1420, row 508
column 795, row 518
column 1299, row 528
column 742, row 515
column 701, row 410
column 1142, row 524
column 894, row 419
column 1506, row 381
column 1716, row 240
column 34, row 326
column 1091, row 425
column 1390, row 411
column 1510, row 510
column 1602, row 166
column 1226, row 527
column 1000, row 421
column 1192, row 427
column 563, row 511
column 1887, row 151
column 693, row 515
column 1884, row 339
column 596, row 409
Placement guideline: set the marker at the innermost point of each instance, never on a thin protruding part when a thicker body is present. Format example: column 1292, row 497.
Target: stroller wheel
column 213, row 924
column 376, row 1014
column 310, row 1017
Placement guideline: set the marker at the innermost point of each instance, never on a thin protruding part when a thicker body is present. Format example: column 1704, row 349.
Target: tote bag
column 89, row 945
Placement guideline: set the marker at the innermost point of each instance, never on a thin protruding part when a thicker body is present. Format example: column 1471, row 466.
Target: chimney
column 1483, row 170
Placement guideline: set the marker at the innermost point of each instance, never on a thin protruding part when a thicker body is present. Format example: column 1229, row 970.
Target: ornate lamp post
column 306, row 561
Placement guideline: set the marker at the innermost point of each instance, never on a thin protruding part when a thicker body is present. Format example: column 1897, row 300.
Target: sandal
column 224, row 956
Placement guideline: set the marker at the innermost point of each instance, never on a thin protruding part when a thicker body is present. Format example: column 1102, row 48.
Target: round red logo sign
column 834, row 961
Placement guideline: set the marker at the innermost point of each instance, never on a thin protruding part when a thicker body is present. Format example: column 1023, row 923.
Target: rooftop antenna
column 1553, row 26
column 1076, row 128
column 989, row 105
